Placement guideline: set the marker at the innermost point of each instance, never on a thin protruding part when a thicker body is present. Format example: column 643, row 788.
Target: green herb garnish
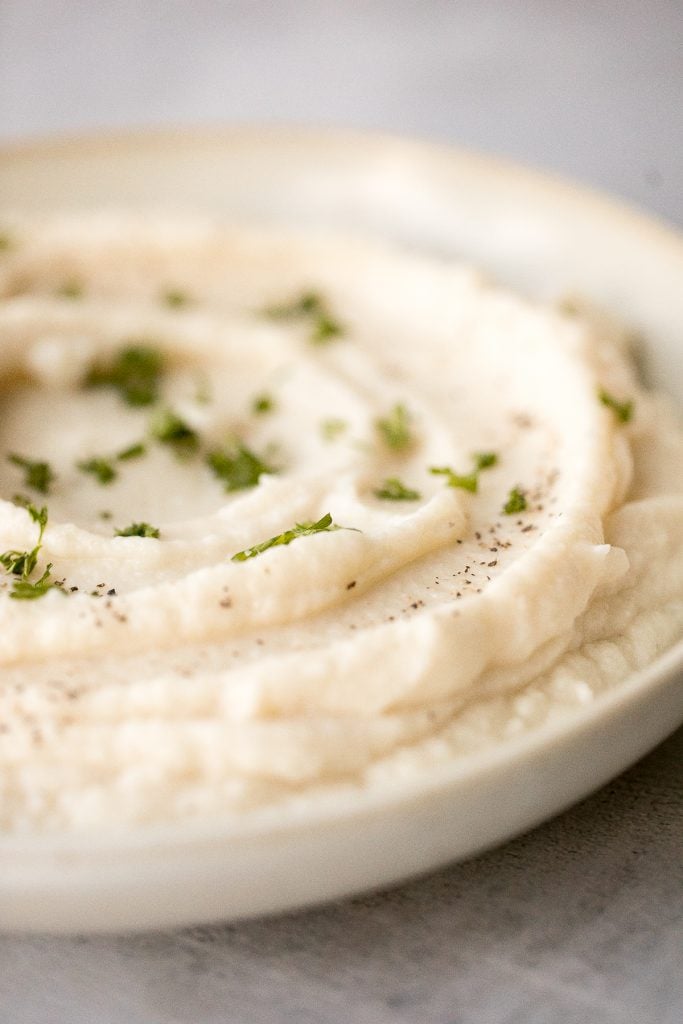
column 174, row 298
column 37, row 475
column 622, row 410
column 484, row 460
column 135, row 372
column 170, row 429
column 308, row 304
column 312, row 307
column 135, row 451
column 238, row 468
column 22, row 500
column 323, row 525
column 20, row 563
column 325, row 328
column 516, row 502
column 395, row 428
column 70, row 290
column 393, row 490
column 138, row 530
column 467, row 481
column 23, row 563
column 24, row 590
column 5, row 242
column 333, row 428
column 262, row 404
column 101, row 469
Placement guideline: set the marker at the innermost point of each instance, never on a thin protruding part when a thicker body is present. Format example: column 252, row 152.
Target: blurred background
column 590, row 88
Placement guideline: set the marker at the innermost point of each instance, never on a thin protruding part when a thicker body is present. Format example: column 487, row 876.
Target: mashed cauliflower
column 280, row 514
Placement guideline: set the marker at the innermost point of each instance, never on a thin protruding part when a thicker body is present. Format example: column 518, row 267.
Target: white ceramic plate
column 537, row 234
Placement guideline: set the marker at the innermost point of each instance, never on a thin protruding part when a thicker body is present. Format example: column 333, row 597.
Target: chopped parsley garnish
column 37, row 475
column 395, row 428
column 135, row 451
column 174, row 298
column 325, row 328
column 323, row 525
column 516, row 502
column 333, row 428
column 24, row 590
column 485, row 460
column 71, row 289
column 467, row 481
column 310, row 306
column 23, row 563
column 22, row 500
column 170, row 429
column 101, row 469
column 393, row 490
column 20, row 563
column 138, row 530
column 135, row 372
column 262, row 404
column 237, row 468
column 622, row 410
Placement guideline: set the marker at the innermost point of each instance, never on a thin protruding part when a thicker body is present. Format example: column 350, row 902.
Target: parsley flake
column 101, row 469
column 262, row 404
column 135, row 372
column 325, row 329
column 310, row 306
column 23, row 563
column 238, row 468
column 323, row 525
column 135, row 451
column 622, row 410
column 393, row 490
column 485, row 460
column 467, row 481
column 37, row 475
column 22, row 500
column 516, row 502
column 19, row 563
column 138, row 530
column 332, row 428
column 395, row 428
column 24, row 590
column 170, row 429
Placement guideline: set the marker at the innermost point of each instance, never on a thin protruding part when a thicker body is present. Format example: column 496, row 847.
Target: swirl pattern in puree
column 502, row 539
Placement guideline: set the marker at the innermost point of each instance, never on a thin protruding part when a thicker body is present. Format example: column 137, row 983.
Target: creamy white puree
column 194, row 685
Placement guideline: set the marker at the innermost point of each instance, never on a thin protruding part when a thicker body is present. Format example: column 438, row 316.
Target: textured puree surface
column 456, row 516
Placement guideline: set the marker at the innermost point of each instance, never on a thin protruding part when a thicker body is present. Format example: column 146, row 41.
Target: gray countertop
column 578, row 922
column 581, row 920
